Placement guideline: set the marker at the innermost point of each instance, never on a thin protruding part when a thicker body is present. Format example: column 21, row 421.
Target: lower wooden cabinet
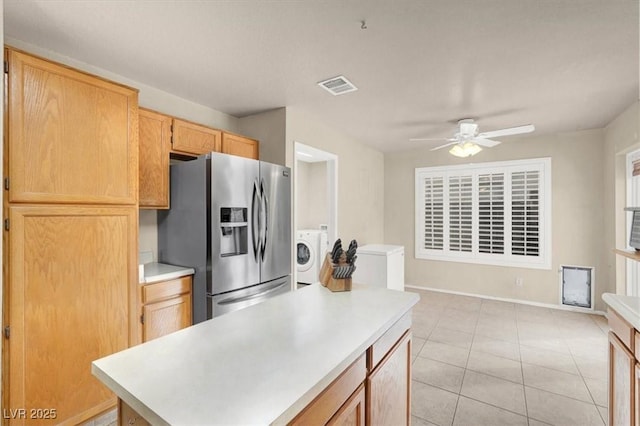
column 624, row 378
column 70, row 298
column 368, row 392
column 622, row 383
column 375, row 393
column 166, row 307
column 352, row 412
column 127, row 416
column 389, row 387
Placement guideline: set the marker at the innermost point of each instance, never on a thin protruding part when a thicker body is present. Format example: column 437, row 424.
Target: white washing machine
column 311, row 246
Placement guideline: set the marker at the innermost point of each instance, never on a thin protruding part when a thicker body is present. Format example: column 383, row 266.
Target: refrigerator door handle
column 255, row 220
column 268, row 290
column 264, row 205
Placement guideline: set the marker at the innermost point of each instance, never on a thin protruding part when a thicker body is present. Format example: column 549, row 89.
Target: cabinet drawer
column 383, row 345
column 322, row 409
column 621, row 328
column 165, row 289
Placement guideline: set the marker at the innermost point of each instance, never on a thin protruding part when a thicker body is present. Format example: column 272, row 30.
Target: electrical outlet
column 519, row 282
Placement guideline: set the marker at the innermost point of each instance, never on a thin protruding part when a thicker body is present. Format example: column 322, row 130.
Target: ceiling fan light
column 465, row 150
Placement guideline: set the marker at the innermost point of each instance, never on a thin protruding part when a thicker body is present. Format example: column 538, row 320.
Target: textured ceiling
column 420, row 65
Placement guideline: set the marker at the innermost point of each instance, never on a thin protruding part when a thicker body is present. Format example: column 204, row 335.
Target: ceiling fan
column 467, row 141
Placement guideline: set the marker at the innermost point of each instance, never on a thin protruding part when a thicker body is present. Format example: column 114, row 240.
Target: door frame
column 303, row 152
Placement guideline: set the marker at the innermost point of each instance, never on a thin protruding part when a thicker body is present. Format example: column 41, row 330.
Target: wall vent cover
column 338, row 85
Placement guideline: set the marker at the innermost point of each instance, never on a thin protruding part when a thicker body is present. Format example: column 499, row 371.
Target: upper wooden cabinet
column 155, row 144
column 72, row 137
column 240, row 145
column 191, row 138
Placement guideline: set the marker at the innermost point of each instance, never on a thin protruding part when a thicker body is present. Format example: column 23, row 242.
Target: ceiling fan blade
column 486, row 142
column 428, row 139
column 443, row 146
column 507, row 132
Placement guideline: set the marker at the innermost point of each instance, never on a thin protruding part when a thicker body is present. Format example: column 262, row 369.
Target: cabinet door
column 71, row 300
column 165, row 317
column 72, row 137
column 155, row 144
column 621, row 383
column 239, row 145
column 127, row 416
column 194, row 139
column 389, row 387
column 636, row 381
column 352, row 412
column 334, row 397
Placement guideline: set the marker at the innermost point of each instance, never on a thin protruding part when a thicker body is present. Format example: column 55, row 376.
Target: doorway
column 633, row 200
column 315, row 208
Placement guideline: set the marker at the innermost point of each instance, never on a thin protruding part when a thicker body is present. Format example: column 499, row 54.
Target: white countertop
column 259, row 365
column 154, row 272
column 627, row 306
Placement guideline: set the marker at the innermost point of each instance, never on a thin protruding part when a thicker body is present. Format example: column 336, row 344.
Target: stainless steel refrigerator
column 230, row 220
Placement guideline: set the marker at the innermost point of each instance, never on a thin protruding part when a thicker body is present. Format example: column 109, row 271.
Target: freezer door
column 234, row 223
column 234, row 300
column 275, row 256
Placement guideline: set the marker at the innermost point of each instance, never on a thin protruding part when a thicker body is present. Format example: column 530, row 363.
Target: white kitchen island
column 287, row 359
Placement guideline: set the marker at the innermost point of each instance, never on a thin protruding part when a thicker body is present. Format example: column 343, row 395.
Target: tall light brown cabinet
column 71, row 237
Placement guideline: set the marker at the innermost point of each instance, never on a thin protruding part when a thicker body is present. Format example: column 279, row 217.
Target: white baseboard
column 506, row 299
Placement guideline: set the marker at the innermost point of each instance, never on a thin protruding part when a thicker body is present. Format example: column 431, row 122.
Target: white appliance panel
column 381, row 266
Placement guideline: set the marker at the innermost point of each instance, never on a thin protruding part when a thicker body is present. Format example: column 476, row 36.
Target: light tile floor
column 483, row 362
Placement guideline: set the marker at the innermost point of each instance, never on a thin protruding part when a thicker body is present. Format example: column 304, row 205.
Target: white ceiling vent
column 338, row 85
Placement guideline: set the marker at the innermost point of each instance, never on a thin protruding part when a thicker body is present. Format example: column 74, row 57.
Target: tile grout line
column 524, row 390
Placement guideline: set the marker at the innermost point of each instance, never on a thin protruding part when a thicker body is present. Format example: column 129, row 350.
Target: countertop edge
column 164, row 272
column 133, row 402
column 614, row 301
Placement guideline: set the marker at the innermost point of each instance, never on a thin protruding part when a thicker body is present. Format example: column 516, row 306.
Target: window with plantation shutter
column 490, row 213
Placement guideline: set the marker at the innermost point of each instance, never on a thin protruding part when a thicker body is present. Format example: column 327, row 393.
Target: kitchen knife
column 337, row 245
column 336, row 256
column 351, row 251
column 352, row 269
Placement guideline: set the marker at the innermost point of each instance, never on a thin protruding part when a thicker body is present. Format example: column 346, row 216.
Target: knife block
column 326, row 275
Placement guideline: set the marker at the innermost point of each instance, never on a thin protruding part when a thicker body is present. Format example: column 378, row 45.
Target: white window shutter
column 433, row 213
column 460, row 213
column 491, row 213
column 525, row 213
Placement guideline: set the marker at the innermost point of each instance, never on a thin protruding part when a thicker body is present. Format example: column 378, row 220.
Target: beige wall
column 621, row 137
column 311, row 194
column 269, row 128
column 360, row 175
column 577, row 217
